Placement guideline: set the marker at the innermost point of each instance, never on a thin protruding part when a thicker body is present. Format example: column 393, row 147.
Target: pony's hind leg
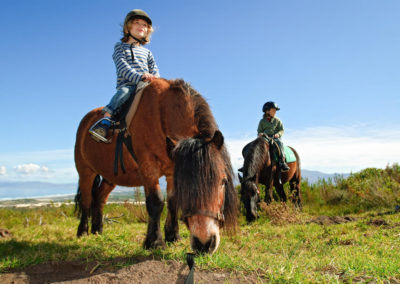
column 83, row 200
column 100, row 196
column 171, row 227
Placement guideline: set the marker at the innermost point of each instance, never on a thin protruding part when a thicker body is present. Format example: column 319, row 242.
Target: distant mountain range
column 314, row 176
column 16, row 190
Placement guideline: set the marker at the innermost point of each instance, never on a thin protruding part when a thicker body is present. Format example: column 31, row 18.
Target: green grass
column 281, row 246
column 287, row 252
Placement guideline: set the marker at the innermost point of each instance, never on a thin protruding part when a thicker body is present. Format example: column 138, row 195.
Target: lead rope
column 190, row 263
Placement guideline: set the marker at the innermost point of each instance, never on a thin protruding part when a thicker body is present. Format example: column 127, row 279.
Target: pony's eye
column 224, row 182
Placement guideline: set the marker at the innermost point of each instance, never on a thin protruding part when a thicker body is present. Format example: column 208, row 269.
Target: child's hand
column 276, row 135
column 147, row 77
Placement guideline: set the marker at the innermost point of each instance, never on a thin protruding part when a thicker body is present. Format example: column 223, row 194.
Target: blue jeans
column 121, row 96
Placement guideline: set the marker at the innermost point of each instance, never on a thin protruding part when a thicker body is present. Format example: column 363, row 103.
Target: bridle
column 250, row 179
column 219, row 216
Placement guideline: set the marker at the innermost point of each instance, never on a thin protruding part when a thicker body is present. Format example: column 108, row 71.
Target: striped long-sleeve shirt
column 129, row 72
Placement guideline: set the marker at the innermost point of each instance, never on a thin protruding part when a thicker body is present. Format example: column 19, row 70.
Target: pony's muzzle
column 208, row 246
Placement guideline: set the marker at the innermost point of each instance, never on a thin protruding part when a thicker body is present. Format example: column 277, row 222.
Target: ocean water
column 28, row 190
column 18, row 190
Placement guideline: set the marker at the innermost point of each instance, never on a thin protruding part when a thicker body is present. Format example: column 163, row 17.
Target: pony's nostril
column 197, row 245
column 209, row 246
column 213, row 243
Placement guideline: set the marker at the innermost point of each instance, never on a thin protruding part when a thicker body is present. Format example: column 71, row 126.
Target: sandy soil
column 142, row 271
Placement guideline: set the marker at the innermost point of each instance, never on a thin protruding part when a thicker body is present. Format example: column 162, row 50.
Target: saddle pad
column 290, row 157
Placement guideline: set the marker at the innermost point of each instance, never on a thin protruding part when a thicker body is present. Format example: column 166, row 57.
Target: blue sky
column 332, row 66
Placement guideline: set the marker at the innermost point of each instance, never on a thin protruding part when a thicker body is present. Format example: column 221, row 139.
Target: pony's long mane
column 255, row 157
column 197, row 161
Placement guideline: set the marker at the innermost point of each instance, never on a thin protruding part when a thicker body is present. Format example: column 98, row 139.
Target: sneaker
column 99, row 130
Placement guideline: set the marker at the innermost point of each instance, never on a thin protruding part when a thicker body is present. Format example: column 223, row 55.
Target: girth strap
column 127, row 140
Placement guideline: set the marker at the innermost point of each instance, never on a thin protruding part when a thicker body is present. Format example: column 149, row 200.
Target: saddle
column 275, row 150
column 290, row 157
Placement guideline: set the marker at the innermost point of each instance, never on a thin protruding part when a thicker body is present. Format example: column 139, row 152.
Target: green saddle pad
column 290, row 156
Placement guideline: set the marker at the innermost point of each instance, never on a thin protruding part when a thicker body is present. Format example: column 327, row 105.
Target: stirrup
column 99, row 130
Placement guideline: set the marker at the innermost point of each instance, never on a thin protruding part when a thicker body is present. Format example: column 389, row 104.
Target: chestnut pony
column 260, row 167
column 174, row 134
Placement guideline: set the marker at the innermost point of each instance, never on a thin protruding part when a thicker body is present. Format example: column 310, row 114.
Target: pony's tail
column 78, row 196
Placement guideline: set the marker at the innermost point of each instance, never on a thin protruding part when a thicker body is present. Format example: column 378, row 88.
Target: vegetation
column 360, row 192
column 283, row 245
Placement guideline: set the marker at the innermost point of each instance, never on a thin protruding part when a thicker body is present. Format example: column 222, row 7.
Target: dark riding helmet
column 137, row 13
column 269, row 105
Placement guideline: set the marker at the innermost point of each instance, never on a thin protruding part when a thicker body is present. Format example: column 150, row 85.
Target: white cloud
column 335, row 149
column 29, row 169
column 29, row 166
column 3, row 171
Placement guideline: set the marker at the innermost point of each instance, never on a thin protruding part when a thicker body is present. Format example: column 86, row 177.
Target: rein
column 190, row 263
column 271, row 142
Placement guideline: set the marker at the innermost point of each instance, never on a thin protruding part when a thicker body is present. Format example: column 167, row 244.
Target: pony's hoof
column 157, row 244
column 80, row 234
column 173, row 238
column 97, row 231
column 82, row 230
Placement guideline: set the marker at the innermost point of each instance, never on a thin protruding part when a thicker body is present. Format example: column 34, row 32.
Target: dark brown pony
column 260, row 167
column 173, row 134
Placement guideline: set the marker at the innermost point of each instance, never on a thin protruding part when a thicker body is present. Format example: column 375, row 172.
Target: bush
column 368, row 189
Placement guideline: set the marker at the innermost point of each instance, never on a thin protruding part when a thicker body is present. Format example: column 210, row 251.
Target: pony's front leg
column 171, row 227
column 154, row 205
column 268, row 192
column 296, row 193
column 100, row 196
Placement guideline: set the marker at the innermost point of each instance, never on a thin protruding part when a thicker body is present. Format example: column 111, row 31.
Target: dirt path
column 143, row 271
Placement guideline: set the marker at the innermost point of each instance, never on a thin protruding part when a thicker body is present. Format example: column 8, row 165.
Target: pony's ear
column 170, row 147
column 240, row 178
column 218, row 139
